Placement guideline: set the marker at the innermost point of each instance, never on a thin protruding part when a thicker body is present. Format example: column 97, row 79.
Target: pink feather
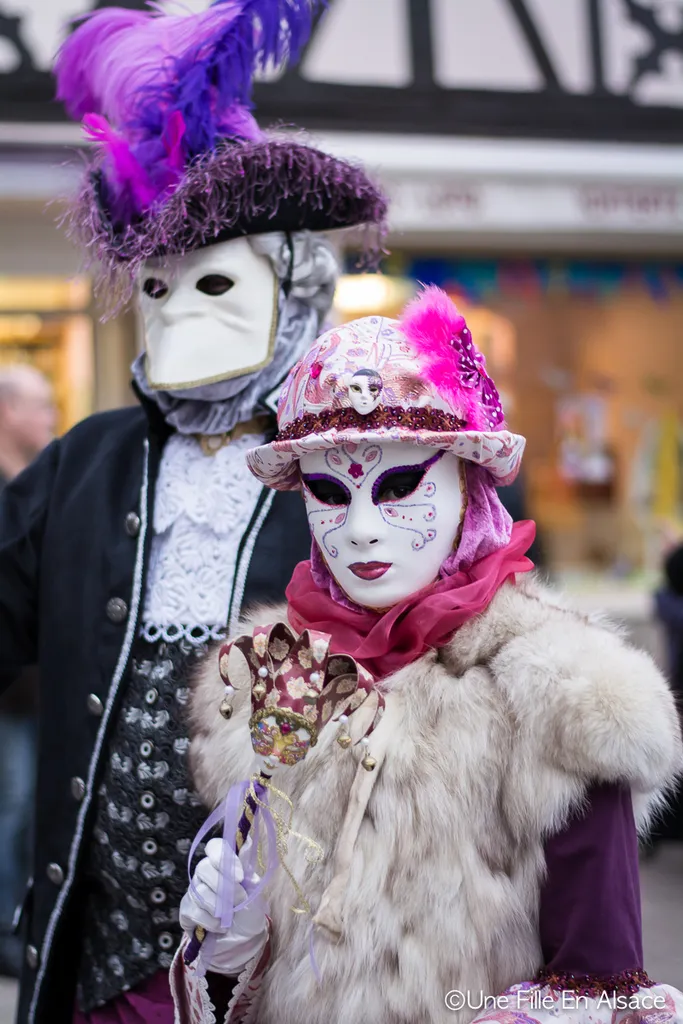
column 433, row 325
column 126, row 173
column 173, row 142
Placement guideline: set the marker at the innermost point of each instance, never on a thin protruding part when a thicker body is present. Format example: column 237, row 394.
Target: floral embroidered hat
column 419, row 379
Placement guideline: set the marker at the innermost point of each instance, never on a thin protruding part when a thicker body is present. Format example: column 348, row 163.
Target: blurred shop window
column 587, row 356
column 46, row 322
column 360, row 295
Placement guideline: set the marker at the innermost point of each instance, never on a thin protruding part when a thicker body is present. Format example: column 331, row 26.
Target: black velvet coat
column 74, row 546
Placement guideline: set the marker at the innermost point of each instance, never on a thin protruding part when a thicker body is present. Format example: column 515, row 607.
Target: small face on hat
column 209, row 315
column 365, row 391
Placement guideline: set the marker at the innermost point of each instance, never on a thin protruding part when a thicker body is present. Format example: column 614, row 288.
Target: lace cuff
column 192, row 995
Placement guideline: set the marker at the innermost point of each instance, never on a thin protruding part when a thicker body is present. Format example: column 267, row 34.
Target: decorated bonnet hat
column 420, row 380
column 181, row 161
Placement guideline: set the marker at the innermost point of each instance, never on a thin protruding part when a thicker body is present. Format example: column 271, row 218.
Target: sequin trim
column 380, row 418
column 593, row 985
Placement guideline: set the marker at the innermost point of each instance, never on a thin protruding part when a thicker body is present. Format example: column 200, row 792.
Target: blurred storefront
column 45, row 321
column 588, row 356
column 48, row 314
column 532, row 150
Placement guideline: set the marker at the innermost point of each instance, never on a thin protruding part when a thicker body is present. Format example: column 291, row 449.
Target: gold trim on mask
column 242, row 372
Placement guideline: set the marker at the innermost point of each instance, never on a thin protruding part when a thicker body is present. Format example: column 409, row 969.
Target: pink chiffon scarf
column 386, row 642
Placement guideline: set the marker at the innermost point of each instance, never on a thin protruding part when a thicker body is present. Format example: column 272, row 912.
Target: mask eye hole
column 398, row 485
column 214, row 284
column 155, row 287
column 327, row 490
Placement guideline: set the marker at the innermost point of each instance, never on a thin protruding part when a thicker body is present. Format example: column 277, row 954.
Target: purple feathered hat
column 181, row 161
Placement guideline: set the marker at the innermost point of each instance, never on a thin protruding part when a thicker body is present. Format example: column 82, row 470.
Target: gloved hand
column 246, row 936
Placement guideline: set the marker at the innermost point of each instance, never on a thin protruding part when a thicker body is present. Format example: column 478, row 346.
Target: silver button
column 147, row 801
column 77, row 788
column 55, row 873
column 149, row 847
column 95, row 705
column 32, row 958
column 146, row 748
column 158, row 896
column 151, row 696
column 132, row 524
column 166, row 940
column 117, row 609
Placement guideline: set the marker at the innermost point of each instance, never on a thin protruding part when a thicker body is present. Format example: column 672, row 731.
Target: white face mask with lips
column 385, row 516
column 208, row 316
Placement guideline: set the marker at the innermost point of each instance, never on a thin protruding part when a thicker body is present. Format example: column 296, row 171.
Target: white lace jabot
column 202, row 507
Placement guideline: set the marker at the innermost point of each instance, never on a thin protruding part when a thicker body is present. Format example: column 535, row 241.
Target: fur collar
column 586, row 702
column 600, row 708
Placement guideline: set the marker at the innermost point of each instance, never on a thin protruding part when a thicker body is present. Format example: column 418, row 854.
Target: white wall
column 478, row 43
column 31, row 243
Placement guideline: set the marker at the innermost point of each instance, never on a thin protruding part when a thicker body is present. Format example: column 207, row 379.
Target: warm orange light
column 22, row 327
column 44, row 293
column 364, row 294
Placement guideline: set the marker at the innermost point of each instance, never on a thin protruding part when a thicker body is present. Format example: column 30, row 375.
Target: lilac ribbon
column 226, row 812
column 311, row 954
column 230, row 812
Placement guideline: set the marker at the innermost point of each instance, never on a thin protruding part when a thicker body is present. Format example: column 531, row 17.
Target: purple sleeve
column 590, row 903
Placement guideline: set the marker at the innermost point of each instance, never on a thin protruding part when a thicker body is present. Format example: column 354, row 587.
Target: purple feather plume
column 126, row 173
column 172, row 87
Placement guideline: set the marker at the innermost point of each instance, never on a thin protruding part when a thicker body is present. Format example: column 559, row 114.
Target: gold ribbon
column 212, row 443
column 283, row 832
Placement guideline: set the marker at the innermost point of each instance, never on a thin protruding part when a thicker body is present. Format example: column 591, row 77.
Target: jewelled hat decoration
column 420, row 380
column 181, row 161
column 297, row 687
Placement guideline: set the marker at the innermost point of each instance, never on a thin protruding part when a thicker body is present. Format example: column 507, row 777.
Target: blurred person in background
column 140, row 535
column 27, row 418
column 27, row 422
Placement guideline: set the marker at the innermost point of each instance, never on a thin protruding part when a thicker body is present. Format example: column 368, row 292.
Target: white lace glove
column 246, row 936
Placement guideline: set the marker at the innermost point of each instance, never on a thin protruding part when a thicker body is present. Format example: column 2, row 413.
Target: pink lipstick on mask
column 369, row 570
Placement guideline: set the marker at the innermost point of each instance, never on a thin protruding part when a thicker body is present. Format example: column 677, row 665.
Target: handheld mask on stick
column 385, row 516
column 209, row 316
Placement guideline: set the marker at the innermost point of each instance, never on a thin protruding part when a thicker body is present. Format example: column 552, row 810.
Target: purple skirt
column 148, row 1003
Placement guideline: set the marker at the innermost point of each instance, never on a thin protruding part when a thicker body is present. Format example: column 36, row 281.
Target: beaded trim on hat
column 593, row 985
column 380, row 418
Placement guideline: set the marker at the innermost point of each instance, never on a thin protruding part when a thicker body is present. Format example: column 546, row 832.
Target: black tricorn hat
column 242, row 188
column 182, row 163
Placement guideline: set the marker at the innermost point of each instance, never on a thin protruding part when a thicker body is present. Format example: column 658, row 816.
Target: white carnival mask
column 365, row 391
column 209, row 315
column 385, row 516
